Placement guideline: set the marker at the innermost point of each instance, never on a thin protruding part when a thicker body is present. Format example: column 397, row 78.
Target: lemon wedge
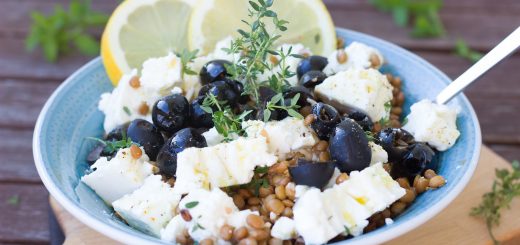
column 309, row 23
column 141, row 29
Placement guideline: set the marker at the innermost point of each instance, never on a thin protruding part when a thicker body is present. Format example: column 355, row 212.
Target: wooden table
column 26, row 81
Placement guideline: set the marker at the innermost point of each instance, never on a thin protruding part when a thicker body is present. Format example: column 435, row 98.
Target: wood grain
column 452, row 226
column 25, row 221
column 16, row 163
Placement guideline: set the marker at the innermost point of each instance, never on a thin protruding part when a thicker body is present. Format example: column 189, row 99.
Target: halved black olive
column 200, row 118
column 418, row 158
column 238, row 87
column 312, row 78
column 117, row 133
column 95, row 153
column 326, row 118
column 311, row 63
column 316, row 174
column 304, row 93
column 362, row 119
column 395, row 141
column 213, row 71
column 146, row 135
column 184, row 138
column 171, row 113
column 222, row 90
column 348, row 146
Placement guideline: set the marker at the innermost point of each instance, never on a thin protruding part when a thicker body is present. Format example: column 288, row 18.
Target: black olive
column 238, row 87
column 171, row 113
column 265, row 95
column 213, row 71
column 311, row 63
column 395, row 141
column 184, row 138
column 146, row 135
column 418, row 158
column 95, row 153
column 221, row 90
column 200, row 118
column 167, row 157
column 304, row 93
column 275, row 114
column 117, row 133
column 309, row 173
column 326, row 119
column 312, row 78
column 362, row 119
column 348, row 146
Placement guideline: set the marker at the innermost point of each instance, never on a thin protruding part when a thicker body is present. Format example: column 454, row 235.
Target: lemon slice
column 309, row 23
column 140, row 29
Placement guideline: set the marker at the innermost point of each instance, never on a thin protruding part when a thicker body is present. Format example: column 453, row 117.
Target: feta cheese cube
column 284, row 229
column 174, row 229
column 213, row 137
column 121, row 175
column 149, row 208
column 222, row 165
column 434, row 124
column 283, row 137
column 359, row 56
column 365, row 90
column 123, row 103
column 162, row 73
column 344, row 208
column 378, row 154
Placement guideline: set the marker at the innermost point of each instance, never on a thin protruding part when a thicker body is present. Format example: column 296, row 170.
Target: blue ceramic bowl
column 71, row 115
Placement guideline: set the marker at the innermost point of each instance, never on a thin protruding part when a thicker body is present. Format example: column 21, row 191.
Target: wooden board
column 452, row 226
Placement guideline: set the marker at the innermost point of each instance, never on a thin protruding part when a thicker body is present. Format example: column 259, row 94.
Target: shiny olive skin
column 117, row 133
column 362, row 119
column 348, row 146
column 222, row 90
column 395, row 141
column 184, row 138
column 265, row 95
column 312, row 78
column 311, row 63
column 171, row 113
column 326, row 119
column 309, row 173
column 417, row 159
column 238, row 87
column 304, row 93
column 200, row 118
column 213, row 71
column 146, row 135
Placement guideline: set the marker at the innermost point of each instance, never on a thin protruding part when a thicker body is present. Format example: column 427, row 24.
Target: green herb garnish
column 463, row 50
column 113, row 146
column 261, row 170
column 370, row 136
column 187, row 57
column 225, row 121
column 196, row 227
column 127, row 111
column 192, row 204
column 63, row 31
column 423, row 16
column 505, row 187
column 277, row 102
column 13, row 200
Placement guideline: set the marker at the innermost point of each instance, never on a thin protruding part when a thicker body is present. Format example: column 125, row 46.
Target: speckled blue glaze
column 70, row 116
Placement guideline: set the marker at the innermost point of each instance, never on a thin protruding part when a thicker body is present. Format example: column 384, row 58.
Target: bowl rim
column 122, row 236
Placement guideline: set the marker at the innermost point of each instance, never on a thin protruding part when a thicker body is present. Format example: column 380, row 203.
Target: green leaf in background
column 61, row 30
column 463, row 50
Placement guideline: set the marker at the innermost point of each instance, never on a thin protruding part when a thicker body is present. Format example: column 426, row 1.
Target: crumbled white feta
column 344, row 208
column 123, row 103
column 358, row 55
column 332, row 180
column 121, row 175
column 378, row 154
column 433, row 123
column 149, row 208
column 162, row 73
column 239, row 219
column 213, row 137
column 365, row 90
column 283, row 137
column 389, row 221
column 284, row 228
column 174, row 229
column 222, row 165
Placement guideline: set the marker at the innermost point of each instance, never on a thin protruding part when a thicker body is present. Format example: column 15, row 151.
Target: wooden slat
column 509, row 152
column 17, row 163
column 26, row 221
column 22, row 100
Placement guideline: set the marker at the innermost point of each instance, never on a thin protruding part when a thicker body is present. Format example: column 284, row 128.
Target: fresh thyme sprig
column 225, row 121
column 113, row 146
column 255, row 46
column 505, row 187
column 277, row 102
column 463, row 50
column 187, row 57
